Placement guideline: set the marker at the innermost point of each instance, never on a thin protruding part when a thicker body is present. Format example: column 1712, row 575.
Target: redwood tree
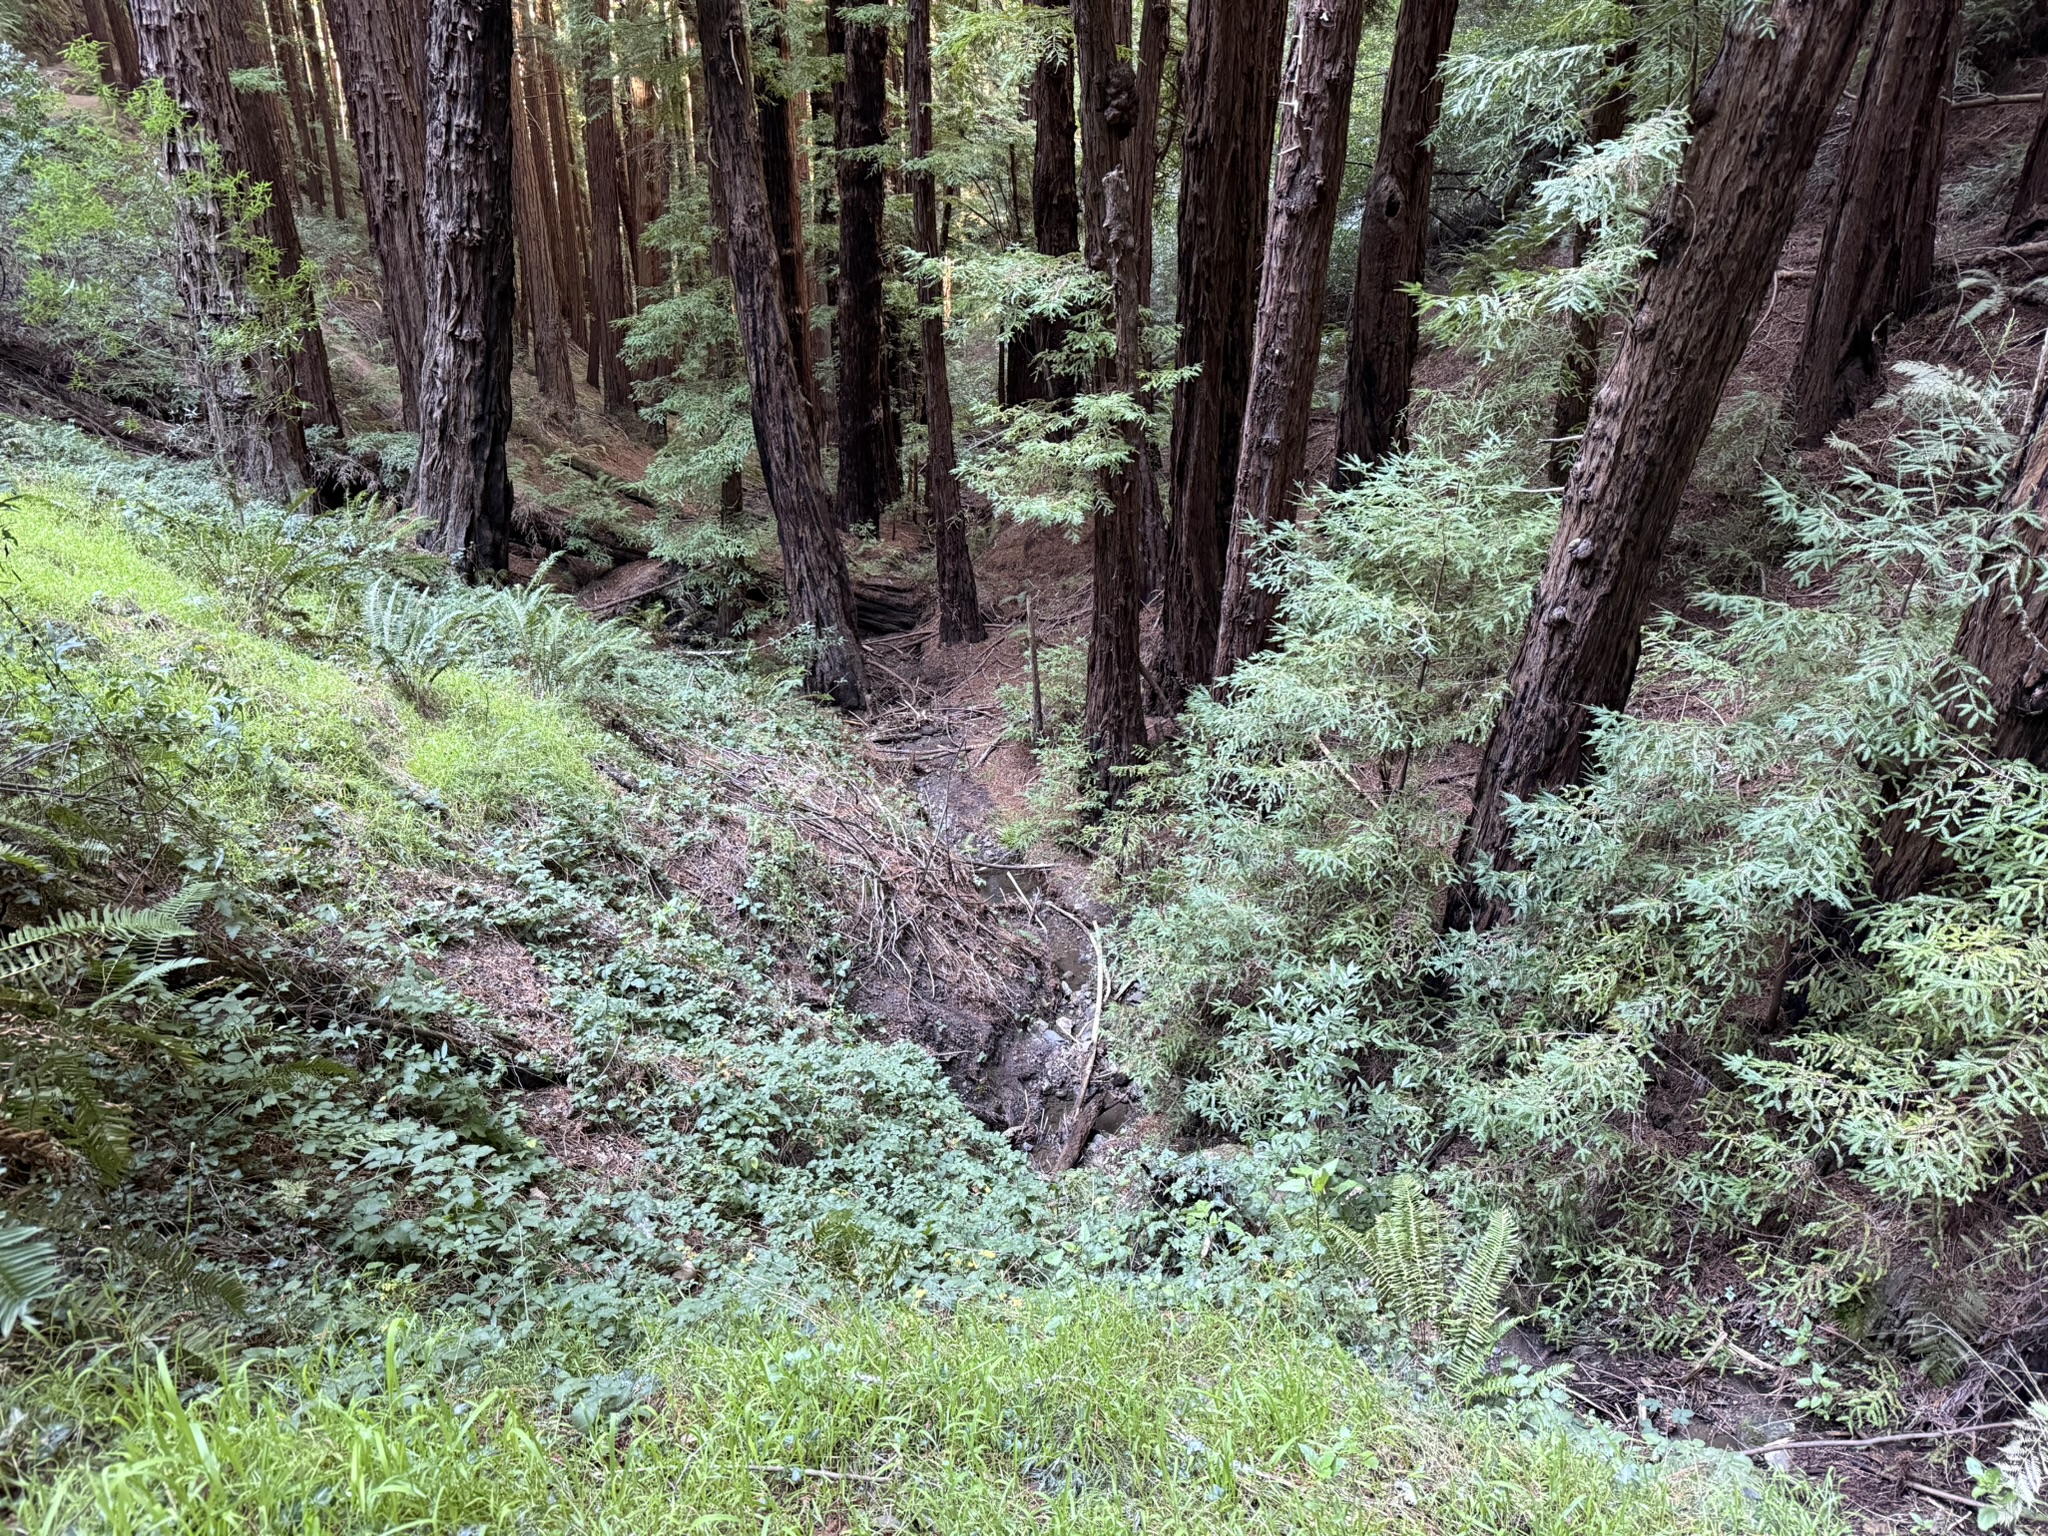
column 244, row 379
column 813, row 559
column 1393, row 240
column 2004, row 638
column 604, row 168
column 1230, row 91
column 959, row 604
column 1877, row 258
column 1315, row 122
column 380, row 44
column 1715, row 240
column 113, row 28
column 861, row 132
column 537, row 256
column 1117, row 114
column 2026, row 215
column 780, row 127
column 1055, row 214
column 463, row 487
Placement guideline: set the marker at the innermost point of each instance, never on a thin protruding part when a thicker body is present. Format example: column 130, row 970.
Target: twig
column 1849, row 1445
column 1933, row 1492
column 1343, row 773
column 2022, row 99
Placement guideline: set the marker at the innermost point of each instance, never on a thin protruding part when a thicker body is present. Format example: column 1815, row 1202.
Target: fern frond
column 28, row 1273
column 1473, row 1324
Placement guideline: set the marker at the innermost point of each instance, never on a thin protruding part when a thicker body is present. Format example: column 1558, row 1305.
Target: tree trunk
column 290, row 51
column 245, row 383
column 382, row 67
column 1315, row 121
column 2004, row 637
column 572, row 222
column 114, row 29
column 1230, row 90
column 464, row 488
column 323, row 103
column 861, row 133
column 1393, row 240
column 260, row 156
column 537, row 277
column 1055, row 219
column 780, row 128
column 959, row 604
column 813, row 559
column 2026, row 220
column 1580, row 370
column 1114, row 140
column 1757, row 118
column 603, row 164
column 1877, row 257
column 650, row 178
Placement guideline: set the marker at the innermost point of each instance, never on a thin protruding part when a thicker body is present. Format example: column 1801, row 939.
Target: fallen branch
column 1844, row 1444
column 2020, row 99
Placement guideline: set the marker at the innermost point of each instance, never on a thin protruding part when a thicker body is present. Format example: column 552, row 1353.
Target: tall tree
column 1115, row 137
column 323, row 102
column 959, row 603
column 538, row 278
column 1756, row 120
column 781, row 125
column 381, row 46
column 1230, row 91
column 1876, row 260
column 290, row 51
column 785, row 432
column 572, row 214
column 1055, row 213
column 2026, row 216
column 244, row 379
column 1393, row 241
column 1580, row 369
column 604, row 169
column 464, row 487
column 1315, row 121
column 112, row 26
column 260, row 155
column 861, row 131
column 2003, row 639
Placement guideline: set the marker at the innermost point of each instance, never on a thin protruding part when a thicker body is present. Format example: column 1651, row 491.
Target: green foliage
column 414, row 635
column 1086, row 1413
column 1408, row 1257
column 28, row 1273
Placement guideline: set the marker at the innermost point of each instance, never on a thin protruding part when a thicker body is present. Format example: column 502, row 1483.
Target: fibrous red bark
column 244, row 384
column 1230, row 91
column 1876, row 261
column 604, row 169
column 381, row 46
column 959, row 603
column 861, row 377
column 1393, row 241
column 1715, row 240
column 1315, row 122
column 813, row 559
column 1055, row 216
column 463, row 487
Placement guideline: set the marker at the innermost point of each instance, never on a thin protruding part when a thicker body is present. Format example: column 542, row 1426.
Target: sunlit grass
column 1075, row 1414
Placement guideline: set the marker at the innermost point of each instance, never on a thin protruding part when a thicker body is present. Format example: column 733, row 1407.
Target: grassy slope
column 1078, row 1413
column 1068, row 1411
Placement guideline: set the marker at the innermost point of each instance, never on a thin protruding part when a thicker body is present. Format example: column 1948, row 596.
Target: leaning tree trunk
column 1315, row 122
column 113, row 28
column 813, row 558
column 1114, row 165
column 1580, row 370
column 1757, row 118
column 380, row 46
column 2004, row 639
column 1393, row 240
column 2027, row 215
column 261, row 157
column 1877, row 257
column 959, row 604
column 244, row 380
column 1055, row 217
column 463, row 487
column 603, row 162
column 862, row 133
column 1230, row 90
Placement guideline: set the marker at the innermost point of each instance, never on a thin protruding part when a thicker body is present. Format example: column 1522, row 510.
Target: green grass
column 1071, row 1414
column 489, row 746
